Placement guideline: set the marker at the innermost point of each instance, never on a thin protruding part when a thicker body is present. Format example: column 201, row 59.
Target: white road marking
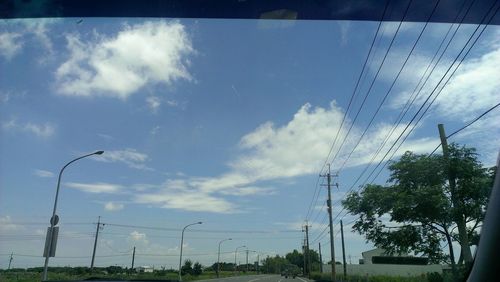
column 302, row 279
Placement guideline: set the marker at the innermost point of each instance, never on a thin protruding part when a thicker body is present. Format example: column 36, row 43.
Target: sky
column 228, row 122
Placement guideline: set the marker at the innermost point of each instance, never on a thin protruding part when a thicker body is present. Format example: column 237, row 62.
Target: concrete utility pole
column 320, row 259
column 258, row 263
column 343, row 248
column 10, row 260
column 308, row 258
column 304, row 257
column 462, row 232
column 247, row 260
column 95, row 242
column 329, row 204
column 133, row 259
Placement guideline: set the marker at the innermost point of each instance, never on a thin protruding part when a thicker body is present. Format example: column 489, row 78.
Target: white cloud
column 155, row 130
column 154, row 103
column 112, row 206
column 248, row 191
column 95, row 188
column 186, row 200
column 138, row 237
column 41, row 130
column 120, row 65
column 471, row 91
column 130, row 157
column 7, row 225
column 473, row 88
column 10, row 44
column 274, row 153
column 106, row 137
column 344, row 27
column 43, row 173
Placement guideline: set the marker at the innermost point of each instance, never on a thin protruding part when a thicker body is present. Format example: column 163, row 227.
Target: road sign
column 54, row 220
column 52, row 233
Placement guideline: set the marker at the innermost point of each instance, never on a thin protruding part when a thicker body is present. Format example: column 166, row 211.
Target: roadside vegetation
column 111, row 272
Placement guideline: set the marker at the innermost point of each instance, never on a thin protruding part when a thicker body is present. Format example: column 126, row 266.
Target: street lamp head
column 199, row 222
column 99, row 153
column 230, row 238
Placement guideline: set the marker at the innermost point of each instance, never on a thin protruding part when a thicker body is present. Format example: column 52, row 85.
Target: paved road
column 257, row 278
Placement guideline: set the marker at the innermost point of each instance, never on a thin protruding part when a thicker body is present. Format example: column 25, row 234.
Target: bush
column 434, row 277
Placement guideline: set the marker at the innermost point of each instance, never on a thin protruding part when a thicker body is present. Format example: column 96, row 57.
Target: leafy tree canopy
column 418, row 209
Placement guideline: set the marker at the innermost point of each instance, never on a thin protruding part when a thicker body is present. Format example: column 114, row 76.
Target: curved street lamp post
column 235, row 252
column 218, row 256
column 55, row 219
column 182, row 242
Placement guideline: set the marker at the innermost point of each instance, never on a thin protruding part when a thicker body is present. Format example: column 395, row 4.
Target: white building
column 378, row 252
column 144, row 269
column 368, row 268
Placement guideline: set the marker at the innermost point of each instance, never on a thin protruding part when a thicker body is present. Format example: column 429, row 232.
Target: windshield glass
column 224, row 139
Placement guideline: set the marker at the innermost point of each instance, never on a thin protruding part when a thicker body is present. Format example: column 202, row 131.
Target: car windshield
column 201, row 148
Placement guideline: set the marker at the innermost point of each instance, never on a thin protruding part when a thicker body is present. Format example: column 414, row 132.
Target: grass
column 36, row 276
column 432, row 277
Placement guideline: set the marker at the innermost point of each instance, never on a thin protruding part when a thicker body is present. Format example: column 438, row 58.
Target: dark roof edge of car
column 357, row 10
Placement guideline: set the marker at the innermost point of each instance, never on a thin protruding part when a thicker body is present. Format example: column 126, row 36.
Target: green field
column 36, row 276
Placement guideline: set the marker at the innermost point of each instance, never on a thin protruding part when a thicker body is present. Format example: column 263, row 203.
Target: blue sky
column 227, row 122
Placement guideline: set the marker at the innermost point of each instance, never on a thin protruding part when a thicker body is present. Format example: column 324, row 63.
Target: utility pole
column 95, row 242
column 258, row 263
column 320, row 259
column 308, row 259
column 343, row 248
column 462, row 232
column 329, row 204
column 10, row 260
column 247, row 260
column 304, row 257
column 133, row 258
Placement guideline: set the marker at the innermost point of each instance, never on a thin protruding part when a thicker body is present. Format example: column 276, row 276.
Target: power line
column 416, row 93
column 392, row 85
column 430, row 95
column 448, row 79
column 348, row 106
column 203, row 230
column 373, row 81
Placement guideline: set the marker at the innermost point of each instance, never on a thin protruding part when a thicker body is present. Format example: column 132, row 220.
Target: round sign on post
column 54, row 220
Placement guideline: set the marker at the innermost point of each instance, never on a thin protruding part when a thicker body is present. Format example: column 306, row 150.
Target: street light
column 182, row 243
column 218, row 256
column 55, row 219
column 235, row 252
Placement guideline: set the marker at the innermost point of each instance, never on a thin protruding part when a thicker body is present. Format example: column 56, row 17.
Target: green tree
column 187, row 268
column 295, row 258
column 422, row 209
column 274, row 264
column 197, row 269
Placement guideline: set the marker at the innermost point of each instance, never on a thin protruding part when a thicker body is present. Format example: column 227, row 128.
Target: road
column 257, row 278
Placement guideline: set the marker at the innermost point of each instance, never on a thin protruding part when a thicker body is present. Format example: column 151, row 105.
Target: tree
column 423, row 211
column 295, row 258
column 187, row 268
column 197, row 269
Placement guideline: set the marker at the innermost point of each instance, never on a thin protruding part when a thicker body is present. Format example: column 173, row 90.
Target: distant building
column 380, row 256
column 144, row 269
column 379, row 262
